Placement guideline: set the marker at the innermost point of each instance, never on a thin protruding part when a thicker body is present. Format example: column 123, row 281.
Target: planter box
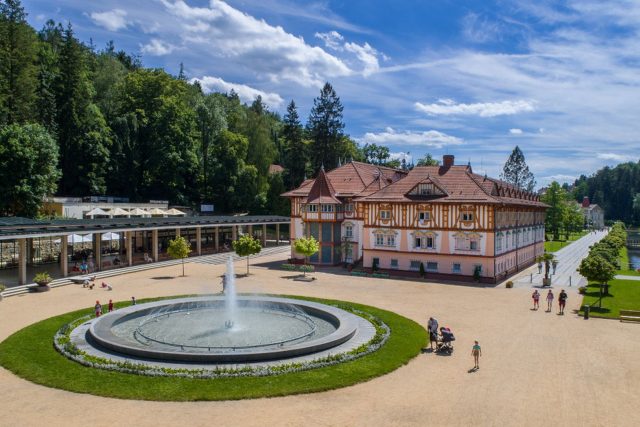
column 546, row 282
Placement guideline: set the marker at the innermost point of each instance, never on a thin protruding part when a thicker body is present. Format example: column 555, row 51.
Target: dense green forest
column 616, row 190
column 108, row 125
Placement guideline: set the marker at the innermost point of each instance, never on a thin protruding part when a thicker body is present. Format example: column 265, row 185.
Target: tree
column 307, row 247
column 18, row 49
column 211, row 121
column 296, row 151
column 246, row 245
column 572, row 218
column 427, row 160
column 28, row 169
column 554, row 197
column 597, row 269
column 517, row 172
column 376, row 154
column 179, row 248
column 325, row 128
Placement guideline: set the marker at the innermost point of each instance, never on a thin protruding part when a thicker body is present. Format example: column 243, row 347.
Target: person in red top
column 110, row 306
column 536, row 299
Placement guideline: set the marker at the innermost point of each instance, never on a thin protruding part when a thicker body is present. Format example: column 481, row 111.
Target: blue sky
column 469, row 78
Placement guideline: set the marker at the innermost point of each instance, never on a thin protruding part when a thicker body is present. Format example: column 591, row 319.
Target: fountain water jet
column 230, row 297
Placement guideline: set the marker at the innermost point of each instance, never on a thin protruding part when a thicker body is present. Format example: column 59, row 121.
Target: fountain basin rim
column 100, row 332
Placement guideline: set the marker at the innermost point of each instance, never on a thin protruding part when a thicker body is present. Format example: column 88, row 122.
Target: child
column 536, row 299
column 110, row 306
column 98, row 308
column 476, row 352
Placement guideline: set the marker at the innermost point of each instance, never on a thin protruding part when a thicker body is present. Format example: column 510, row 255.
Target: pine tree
column 517, row 172
column 325, row 128
column 18, row 49
column 296, row 156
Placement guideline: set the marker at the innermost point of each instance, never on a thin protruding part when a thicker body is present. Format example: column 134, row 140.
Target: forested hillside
column 94, row 121
column 616, row 190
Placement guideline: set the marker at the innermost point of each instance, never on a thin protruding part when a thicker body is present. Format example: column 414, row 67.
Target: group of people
column 442, row 337
column 98, row 306
column 103, row 285
column 562, row 300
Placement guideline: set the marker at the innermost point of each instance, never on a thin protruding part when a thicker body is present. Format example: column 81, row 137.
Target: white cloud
column 332, row 39
column 484, row 109
column 479, row 29
column 430, row 138
column 401, row 155
column 561, row 178
column 112, row 20
column 515, row 131
column 157, row 48
column 241, row 40
column 246, row 93
column 616, row 157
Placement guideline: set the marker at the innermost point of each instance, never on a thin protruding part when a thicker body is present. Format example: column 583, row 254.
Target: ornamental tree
column 179, row 248
column 246, row 245
column 306, row 247
column 597, row 269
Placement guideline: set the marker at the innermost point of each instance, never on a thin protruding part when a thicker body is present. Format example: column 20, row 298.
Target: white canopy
column 110, row 236
column 175, row 212
column 138, row 212
column 96, row 211
column 78, row 238
column 118, row 212
column 157, row 211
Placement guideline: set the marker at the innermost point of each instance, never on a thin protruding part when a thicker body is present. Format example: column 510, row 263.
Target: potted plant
column 42, row 279
column 2, row 288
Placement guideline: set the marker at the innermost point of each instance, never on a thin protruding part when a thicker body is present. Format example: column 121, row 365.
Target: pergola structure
column 149, row 234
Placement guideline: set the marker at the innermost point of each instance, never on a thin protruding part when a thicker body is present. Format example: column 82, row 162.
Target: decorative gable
column 427, row 188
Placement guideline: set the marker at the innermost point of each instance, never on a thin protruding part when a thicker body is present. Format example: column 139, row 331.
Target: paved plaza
column 537, row 368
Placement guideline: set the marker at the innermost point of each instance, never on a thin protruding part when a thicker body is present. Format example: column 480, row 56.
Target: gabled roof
column 322, row 191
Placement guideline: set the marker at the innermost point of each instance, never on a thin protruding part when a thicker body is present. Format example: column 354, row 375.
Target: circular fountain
column 223, row 329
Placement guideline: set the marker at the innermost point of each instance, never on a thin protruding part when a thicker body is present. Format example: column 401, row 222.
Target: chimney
column 585, row 202
column 447, row 160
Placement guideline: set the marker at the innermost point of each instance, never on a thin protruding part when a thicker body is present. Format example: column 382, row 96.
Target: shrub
column 582, row 290
column 2, row 287
column 43, row 277
column 509, row 284
column 421, row 270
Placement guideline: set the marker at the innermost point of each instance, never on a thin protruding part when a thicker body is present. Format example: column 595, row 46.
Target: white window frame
column 312, row 207
column 327, row 208
column 424, row 216
column 348, row 231
column 385, row 213
column 427, row 268
column 458, row 270
column 466, row 216
column 379, row 239
column 412, row 263
column 394, row 264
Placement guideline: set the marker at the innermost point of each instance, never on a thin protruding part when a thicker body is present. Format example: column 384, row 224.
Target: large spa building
column 453, row 222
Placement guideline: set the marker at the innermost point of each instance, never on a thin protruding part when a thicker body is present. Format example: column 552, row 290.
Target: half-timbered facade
column 446, row 218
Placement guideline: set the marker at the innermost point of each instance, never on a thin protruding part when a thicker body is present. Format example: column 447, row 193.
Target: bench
column 630, row 316
column 359, row 273
column 380, row 275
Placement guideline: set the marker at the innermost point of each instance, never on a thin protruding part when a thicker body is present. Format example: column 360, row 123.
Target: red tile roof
column 322, row 191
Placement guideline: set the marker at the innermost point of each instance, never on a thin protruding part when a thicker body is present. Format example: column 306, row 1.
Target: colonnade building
column 444, row 220
column 60, row 246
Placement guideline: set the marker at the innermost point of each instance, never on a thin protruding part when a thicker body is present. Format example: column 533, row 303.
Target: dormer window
column 312, row 208
column 424, row 216
column 327, row 208
column 466, row 216
column 385, row 214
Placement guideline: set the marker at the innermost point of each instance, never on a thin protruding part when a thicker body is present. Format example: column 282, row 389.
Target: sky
column 473, row 79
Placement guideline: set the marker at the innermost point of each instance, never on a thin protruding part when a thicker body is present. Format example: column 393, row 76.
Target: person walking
column 133, row 300
column 476, row 352
column 562, row 301
column 110, row 306
column 98, row 308
column 432, row 327
column 549, row 300
column 536, row 299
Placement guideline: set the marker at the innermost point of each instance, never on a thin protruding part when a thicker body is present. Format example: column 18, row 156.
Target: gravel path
column 537, row 368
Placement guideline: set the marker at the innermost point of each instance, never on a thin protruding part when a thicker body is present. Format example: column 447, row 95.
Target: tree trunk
column 182, row 267
column 247, row 265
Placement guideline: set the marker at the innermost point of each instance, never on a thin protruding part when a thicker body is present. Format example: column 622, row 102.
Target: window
column 478, row 268
column 385, row 214
column 461, row 243
column 424, row 216
column 456, row 268
column 473, row 245
column 327, row 208
column 380, row 239
column 375, row 263
column 432, row 266
column 430, row 242
column 312, row 208
column 391, row 240
column 513, row 239
column 394, row 263
column 348, row 231
column 415, row 265
column 418, row 242
column 499, row 242
column 466, row 216
column 348, row 207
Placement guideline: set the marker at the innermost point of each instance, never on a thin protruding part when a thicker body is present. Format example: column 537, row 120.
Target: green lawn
column 623, row 295
column 556, row 245
column 29, row 353
column 624, row 264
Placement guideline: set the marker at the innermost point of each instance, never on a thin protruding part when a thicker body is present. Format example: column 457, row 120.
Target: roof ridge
column 473, row 178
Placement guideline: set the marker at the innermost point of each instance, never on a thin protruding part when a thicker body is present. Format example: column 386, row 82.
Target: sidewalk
column 569, row 259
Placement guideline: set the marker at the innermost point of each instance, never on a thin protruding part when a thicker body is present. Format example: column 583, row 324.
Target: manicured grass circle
column 29, row 353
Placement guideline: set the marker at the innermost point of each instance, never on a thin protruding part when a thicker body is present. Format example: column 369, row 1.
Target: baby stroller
column 445, row 343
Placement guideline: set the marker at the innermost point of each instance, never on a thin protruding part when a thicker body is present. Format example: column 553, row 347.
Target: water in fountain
column 230, row 297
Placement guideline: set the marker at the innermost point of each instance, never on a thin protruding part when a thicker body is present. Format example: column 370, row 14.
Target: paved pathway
column 569, row 259
column 623, row 277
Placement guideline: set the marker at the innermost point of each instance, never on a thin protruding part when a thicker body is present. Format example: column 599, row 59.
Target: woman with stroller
column 432, row 327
